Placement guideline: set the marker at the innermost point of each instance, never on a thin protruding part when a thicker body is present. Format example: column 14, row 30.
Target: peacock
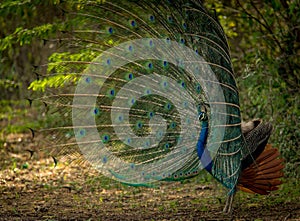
column 157, row 101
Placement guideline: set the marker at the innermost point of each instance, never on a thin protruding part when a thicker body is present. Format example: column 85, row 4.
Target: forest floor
column 33, row 189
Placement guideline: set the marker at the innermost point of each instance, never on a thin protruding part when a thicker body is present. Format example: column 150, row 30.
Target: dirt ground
column 32, row 189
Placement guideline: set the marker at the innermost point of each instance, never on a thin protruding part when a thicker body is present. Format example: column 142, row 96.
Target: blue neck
column 203, row 153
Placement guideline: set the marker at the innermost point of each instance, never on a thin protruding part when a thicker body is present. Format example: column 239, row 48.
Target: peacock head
column 202, row 116
column 202, row 111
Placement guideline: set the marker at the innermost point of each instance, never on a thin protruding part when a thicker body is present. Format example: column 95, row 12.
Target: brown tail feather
column 270, row 183
column 270, row 158
column 263, row 175
column 277, row 165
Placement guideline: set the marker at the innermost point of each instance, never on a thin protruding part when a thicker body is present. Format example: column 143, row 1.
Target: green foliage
column 22, row 30
column 66, row 68
column 24, row 36
column 6, row 83
column 27, row 40
column 229, row 24
column 14, row 118
column 56, row 81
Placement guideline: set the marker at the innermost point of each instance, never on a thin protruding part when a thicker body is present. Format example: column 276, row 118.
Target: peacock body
column 159, row 100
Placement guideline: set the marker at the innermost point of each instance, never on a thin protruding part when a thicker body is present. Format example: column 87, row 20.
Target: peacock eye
column 202, row 116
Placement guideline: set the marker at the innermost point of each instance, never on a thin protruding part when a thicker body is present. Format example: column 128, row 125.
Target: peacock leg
column 228, row 205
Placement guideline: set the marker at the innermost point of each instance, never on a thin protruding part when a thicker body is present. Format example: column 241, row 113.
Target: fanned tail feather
column 263, row 175
column 137, row 125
